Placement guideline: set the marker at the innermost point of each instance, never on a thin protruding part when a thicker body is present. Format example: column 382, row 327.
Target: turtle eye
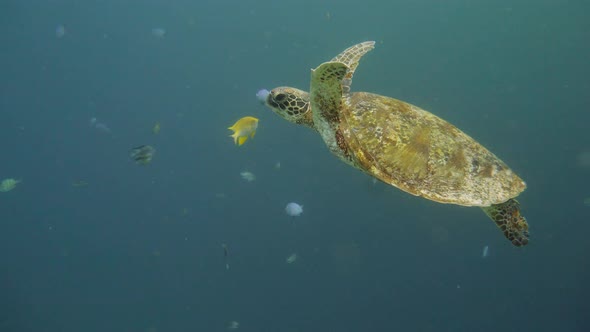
column 280, row 97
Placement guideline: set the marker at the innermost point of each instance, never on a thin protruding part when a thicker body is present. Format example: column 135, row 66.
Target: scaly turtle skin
column 402, row 144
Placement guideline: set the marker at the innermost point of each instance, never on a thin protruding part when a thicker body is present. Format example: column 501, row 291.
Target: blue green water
column 139, row 248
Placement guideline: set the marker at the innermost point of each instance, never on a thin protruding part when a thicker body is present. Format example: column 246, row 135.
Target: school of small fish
column 243, row 129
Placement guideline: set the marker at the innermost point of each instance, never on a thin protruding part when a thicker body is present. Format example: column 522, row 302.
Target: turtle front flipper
column 326, row 93
column 508, row 218
column 351, row 57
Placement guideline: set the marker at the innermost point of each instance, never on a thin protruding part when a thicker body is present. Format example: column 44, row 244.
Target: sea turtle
column 402, row 144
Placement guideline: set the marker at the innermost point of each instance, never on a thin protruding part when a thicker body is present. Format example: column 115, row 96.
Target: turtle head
column 291, row 104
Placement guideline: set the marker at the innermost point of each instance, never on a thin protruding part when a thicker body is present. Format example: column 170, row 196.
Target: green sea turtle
column 402, row 144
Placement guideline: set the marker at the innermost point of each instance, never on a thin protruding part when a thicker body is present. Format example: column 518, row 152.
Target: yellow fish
column 243, row 128
column 156, row 128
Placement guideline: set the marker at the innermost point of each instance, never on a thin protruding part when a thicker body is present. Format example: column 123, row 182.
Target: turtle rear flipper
column 508, row 218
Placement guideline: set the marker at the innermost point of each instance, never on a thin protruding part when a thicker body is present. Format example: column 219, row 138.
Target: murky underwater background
column 91, row 241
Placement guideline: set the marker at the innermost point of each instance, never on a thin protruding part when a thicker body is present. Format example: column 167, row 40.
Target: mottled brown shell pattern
column 422, row 154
